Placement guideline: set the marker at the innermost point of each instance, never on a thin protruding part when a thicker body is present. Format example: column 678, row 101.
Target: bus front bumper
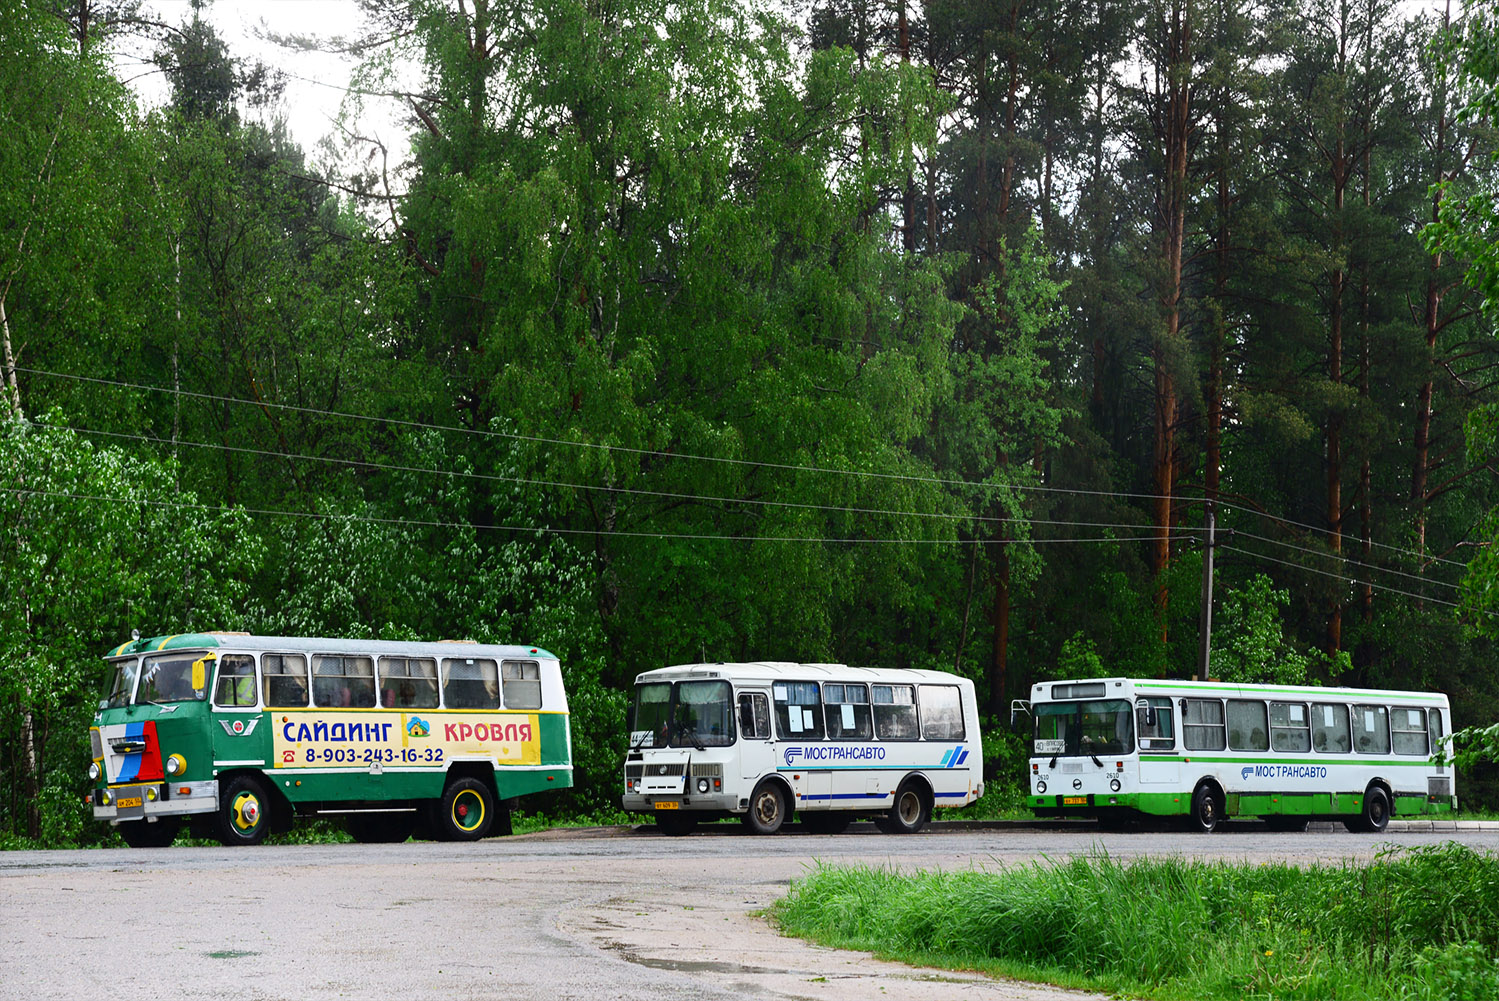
column 656, row 802
column 119, row 804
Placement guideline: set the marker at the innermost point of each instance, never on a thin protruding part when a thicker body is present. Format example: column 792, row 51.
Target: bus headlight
column 151, row 793
column 93, row 771
column 702, row 785
column 105, row 798
column 1114, row 784
column 1041, row 786
column 176, row 765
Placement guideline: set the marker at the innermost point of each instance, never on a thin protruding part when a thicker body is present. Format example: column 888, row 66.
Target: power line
column 652, row 453
column 530, row 529
column 1322, row 553
column 635, row 491
column 1336, row 576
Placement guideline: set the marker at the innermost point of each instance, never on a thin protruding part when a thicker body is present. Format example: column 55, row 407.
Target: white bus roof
column 318, row 644
column 1042, row 691
column 770, row 671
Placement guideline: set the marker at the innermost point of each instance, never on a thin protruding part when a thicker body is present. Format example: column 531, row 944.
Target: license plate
column 668, row 804
column 125, row 802
column 1074, row 801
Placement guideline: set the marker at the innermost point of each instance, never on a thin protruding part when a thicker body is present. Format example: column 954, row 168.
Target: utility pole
column 1206, row 620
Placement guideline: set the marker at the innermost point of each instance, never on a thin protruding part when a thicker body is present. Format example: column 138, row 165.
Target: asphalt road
column 590, row 914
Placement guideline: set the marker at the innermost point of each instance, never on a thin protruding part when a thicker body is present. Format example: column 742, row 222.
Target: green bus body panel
column 1168, row 804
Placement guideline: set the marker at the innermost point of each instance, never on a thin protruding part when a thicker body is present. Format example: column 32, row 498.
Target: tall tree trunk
column 1171, row 219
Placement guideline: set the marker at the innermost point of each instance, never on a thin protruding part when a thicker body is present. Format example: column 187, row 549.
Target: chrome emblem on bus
column 239, row 727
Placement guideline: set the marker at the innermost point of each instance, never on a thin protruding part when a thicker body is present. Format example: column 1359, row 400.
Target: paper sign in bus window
column 794, row 719
column 848, row 716
column 807, row 723
column 780, row 691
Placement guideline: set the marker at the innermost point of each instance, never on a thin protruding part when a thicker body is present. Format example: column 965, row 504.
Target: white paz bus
column 825, row 742
column 1122, row 748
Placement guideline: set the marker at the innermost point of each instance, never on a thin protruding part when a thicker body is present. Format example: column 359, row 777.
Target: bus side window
column 1371, row 729
column 847, row 709
column 520, row 681
column 408, row 683
column 941, row 711
column 285, row 680
column 470, row 684
column 340, row 681
column 1202, row 725
column 1435, row 717
column 1153, row 720
column 1248, row 729
column 894, row 712
column 798, row 710
column 236, row 686
column 1330, row 728
column 1408, row 731
column 754, row 716
column 1289, row 730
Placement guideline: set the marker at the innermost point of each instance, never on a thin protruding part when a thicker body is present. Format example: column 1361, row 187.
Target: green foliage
column 1176, row 928
column 1249, row 643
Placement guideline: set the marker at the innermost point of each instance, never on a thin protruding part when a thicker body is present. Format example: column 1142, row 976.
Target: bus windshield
column 1068, row 729
column 685, row 714
column 169, row 678
column 123, row 685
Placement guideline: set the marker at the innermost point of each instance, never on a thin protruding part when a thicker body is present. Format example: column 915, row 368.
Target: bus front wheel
column 767, row 809
column 1376, row 815
column 244, row 816
column 1207, row 809
column 466, row 811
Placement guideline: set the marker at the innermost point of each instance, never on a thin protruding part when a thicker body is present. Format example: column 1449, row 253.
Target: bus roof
column 1042, row 691
column 766, row 670
column 292, row 644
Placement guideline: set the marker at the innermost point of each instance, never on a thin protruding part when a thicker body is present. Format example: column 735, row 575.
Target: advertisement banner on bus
column 314, row 739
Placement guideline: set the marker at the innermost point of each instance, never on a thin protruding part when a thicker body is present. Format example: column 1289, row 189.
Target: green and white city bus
column 1120, row 748
column 238, row 734
column 825, row 742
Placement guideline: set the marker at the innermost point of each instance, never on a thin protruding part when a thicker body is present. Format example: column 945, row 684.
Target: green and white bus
column 238, row 734
column 1119, row 749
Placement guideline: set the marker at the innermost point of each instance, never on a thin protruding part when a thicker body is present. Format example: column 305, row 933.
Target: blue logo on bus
column 954, row 757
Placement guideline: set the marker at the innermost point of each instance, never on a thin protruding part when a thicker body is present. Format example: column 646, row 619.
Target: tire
column 767, row 808
column 910, row 811
column 675, row 823
column 142, row 834
column 244, row 814
column 1207, row 809
column 466, row 812
column 1376, row 815
column 380, row 828
column 826, row 822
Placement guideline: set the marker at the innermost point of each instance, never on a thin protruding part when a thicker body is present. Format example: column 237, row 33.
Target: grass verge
column 1413, row 924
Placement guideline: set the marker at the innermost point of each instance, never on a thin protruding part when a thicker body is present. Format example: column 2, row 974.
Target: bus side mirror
column 200, row 672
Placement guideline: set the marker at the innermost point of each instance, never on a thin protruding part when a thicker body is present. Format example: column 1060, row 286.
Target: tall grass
column 1413, row 924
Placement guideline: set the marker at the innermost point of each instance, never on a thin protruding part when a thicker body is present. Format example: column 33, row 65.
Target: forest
column 889, row 333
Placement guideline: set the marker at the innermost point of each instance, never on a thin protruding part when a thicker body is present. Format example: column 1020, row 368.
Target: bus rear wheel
column 466, row 812
column 380, row 828
column 910, row 811
column 1207, row 809
column 1376, row 815
column 767, row 809
column 142, row 834
column 244, row 815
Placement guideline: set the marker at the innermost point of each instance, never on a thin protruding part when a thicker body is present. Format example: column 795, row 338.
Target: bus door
column 1157, row 736
column 757, row 749
column 236, row 740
